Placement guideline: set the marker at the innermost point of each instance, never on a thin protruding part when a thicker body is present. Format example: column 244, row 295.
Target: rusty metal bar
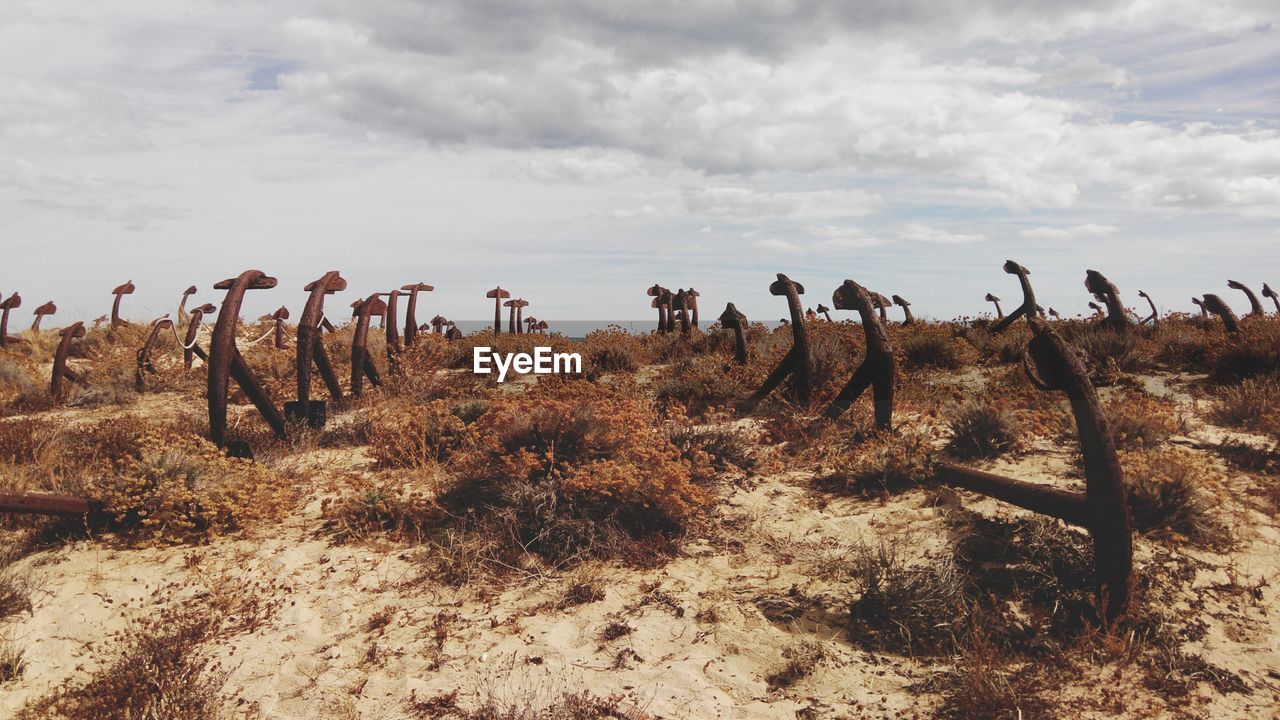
column 1068, row 506
column 411, row 317
column 41, row 504
column 798, row 363
column 732, row 319
column 1255, row 305
column 877, row 368
column 14, row 301
column 190, row 348
column 498, row 294
column 60, row 369
column 46, row 309
column 119, row 292
column 226, row 363
column 361, row 364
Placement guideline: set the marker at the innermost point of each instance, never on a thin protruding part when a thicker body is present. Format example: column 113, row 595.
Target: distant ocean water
column 578, row 329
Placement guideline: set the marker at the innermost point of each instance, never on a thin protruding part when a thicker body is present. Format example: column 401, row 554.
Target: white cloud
column 605, row 141
column 924, row 233
column 1086, row 230
column 779, row 246
column 745, row 203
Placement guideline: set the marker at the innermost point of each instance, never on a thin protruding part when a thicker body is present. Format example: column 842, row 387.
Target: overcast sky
column 577, row 152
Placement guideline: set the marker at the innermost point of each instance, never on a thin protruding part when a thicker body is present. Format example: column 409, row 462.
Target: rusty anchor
column 46, row 309
column 144, row 353
column 391, row 329
column 908, row 318
column 732, row 319
column 182, row 304
column 691, row 305
column 1103, row 509
column 498, row 295
column 190, row 348
column 1028, row 308
column 521, row 304
column 411, row 317
column 877, row 368
column 60, row 370
column 361, row 364
column 662, row 301
column 279, row 316
column 995, row 301
column 14, row 302
column 1152, row 318
column 511, row 316
column 119, row 292
column 679, row 305
column 1105, row 291
column 310, row 349
column 225, row 363
column 1255, row 305
column 798, row 363
column 1214, row 304
column 881, row 304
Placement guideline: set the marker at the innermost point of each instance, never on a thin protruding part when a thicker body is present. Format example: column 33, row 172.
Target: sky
column 577, row 152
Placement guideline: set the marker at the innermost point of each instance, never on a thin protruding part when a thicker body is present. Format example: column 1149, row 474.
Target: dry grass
column 1139, row 420
column 801, row 660
column 933, row 346
column 162, row 672
column 569, row 706
column 163, row 669
column 1170, row 494
column 910, row 609
column 983, row 429
column 884, row 464
column 13, row 661
column 1253, row 352
column 418, row 435
column 1252, row 405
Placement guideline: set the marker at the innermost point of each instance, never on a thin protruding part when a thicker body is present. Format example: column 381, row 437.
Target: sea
column 578, row 329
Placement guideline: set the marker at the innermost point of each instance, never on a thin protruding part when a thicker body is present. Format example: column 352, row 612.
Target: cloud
column 746, row 203
column 924, row 233
column 779, row 246
column 1087, row 230
column 602, row 142
column 752, row 88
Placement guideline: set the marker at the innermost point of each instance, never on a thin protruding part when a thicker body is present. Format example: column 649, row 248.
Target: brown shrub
column 1168, row 494
column 567, row 464
column 611, row 350
column 932, row 345
column 1253, row 405
column 1137, row 419
column 1254, row 351
column 418, row 435
column 171, row 486
column 984, row 429
column 886, row 463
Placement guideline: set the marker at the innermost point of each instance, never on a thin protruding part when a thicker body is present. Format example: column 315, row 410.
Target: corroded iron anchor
column 225, row 363
column 798, row 363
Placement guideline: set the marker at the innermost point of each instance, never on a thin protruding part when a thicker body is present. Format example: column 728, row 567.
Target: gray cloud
column 583, row 147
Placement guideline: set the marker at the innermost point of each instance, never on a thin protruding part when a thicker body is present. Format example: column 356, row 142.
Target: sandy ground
column 354, row 631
